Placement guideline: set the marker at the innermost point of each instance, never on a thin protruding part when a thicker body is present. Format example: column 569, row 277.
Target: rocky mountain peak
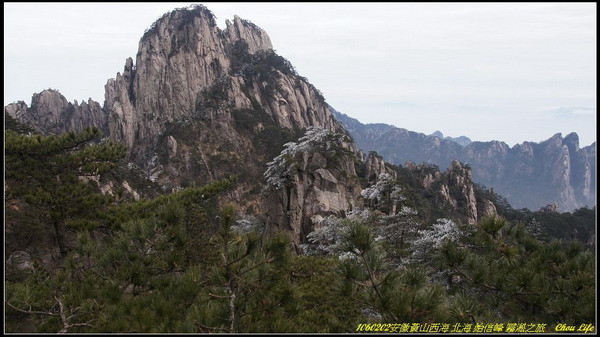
column 438, row 134
column 199, row 104
column 556, row 139
column 572, row 142
column 178, row 19
column 46, row 108
column 188, row 69
column 311, row 179
column 17, row 110
column 195, row 102
column 51, row 113
column 244, row 30
column 49, row 99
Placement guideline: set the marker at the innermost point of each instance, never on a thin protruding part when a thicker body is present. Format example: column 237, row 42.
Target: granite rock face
column 529, row 174
column 310, row 180
column 188, row 73
column 188, row 69
column 375, row 166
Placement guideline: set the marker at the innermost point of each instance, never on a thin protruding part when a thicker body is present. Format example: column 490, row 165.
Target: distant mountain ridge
column 529, row 175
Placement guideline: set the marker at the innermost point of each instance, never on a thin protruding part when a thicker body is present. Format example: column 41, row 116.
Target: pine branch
column 374, row 284
column 360, row 283
column 472, row 281
column 219, row 297
column 253, row 267
column 231, row 311
column 29, row 311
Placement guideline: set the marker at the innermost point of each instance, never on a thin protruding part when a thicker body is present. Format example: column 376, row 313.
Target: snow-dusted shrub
column 247, row 224
column 327, row 238
column 405, row 210
column 384, row 190
column 441, row 231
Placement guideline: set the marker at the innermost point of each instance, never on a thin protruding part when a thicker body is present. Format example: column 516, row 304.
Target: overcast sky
column 509, row 71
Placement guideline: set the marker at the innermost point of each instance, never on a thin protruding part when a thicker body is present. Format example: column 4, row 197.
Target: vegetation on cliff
column 185, row 263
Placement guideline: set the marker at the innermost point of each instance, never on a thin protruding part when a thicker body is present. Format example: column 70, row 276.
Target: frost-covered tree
column 248, row 224
column 384, row 195
column 316, row 139
column 393, row 232
column 327, row 238
column 432, row 239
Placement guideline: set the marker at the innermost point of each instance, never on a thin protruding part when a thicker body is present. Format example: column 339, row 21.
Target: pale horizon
column 507, row 72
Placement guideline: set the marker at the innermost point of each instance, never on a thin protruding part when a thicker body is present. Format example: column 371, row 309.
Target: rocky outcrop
column 310, row 180
column 550, row 208
column 528, row 175
column 457, row 189
column 375, row 166
column 459, row 178
column 433, row 194
column 244, row 30
column 51, row 113
column 487, row 209
column 204, row 93
column 453, row 189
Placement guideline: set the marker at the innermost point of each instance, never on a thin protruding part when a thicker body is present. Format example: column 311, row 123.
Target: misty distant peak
column 438, row 134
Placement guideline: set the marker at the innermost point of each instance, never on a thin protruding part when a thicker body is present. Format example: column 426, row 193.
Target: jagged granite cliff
column 187, row 69
column 529, row 175
column 51, row 113
column 200, row 104
column 452, row 190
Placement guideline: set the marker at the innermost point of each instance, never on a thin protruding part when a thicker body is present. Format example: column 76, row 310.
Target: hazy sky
column 508, row 71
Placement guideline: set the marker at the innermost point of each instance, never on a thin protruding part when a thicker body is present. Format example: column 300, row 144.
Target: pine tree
column 389, row 295
column 45, row 171
column 246, row 283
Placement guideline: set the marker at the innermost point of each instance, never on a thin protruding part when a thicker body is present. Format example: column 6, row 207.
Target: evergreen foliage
column 13, row 125
column 45, row 171
column 515, row 277
column 184, row 262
